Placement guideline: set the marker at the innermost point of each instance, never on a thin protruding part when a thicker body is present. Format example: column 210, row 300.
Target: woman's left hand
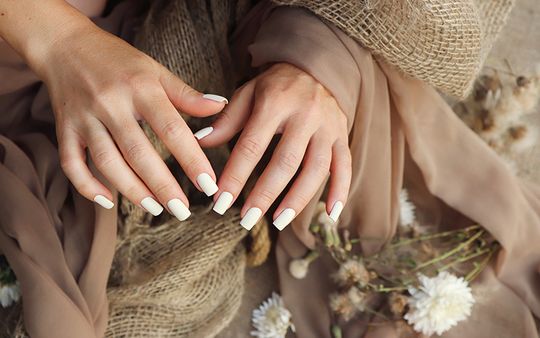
column 282, row 100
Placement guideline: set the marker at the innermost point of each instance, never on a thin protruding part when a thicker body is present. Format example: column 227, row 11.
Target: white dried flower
column 271, row 319
column 439, row 303
column 521, row 138
column 352, row 272
column 9, row 294
column 406, row 209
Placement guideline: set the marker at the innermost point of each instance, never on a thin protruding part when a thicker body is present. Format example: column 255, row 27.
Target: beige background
column 517, row 51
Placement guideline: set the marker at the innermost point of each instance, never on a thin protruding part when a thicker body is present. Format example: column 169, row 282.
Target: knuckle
column 135, row 152
column 250, row 148
column 321, row 164
column 288, row 161
column 103, row 159
column 172, row 130
column 235, row 181
column 132, row 192
column 161, row 188
column 301, row 201
column 265, row 197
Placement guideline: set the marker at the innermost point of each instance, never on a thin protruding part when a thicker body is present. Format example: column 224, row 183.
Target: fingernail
column 251, row 218
column 104, row 201
column 223, row 202
column 150, row 205
column 178, row 209
column 207, row 184
column 216, row 98
column 284, row 218
column 336, row 211
column 203, row 132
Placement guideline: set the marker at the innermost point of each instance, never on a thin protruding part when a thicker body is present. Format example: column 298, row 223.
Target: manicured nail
column 150, row 205
column 251, row 218
column 178, row 209
column 104, row 201
column 207, row 184
column 223, row 202
column 216, row 98
column 284, row 218
column 203, row 132
column 336, row 211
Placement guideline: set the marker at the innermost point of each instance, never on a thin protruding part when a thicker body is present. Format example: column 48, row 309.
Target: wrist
column 35, row 29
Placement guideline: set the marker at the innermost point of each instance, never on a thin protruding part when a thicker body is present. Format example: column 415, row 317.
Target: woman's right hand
column 99, row 87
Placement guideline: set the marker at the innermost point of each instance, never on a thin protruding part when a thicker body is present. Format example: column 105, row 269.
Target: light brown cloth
column 402, row 130
column 59, row 244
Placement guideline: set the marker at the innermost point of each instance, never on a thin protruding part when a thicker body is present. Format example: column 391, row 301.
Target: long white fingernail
column 207, row 184
column 203, row 132
column 104, row 201
column 216, row 98
column 223, row 202
column 251, row 218
column 284, row 218
column 336, row 211
column 150, row 205
column 178, row 209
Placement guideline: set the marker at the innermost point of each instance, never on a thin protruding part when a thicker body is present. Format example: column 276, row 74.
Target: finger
column 245, row 155
column 148, row 165
column 230, row 121
column 340, row 179
column 73, row 161
column 112, row 165
column 314, row 172
column 174, row 132
column 282, row 167
column 188, row 100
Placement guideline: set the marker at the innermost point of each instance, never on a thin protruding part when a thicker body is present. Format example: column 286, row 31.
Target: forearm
column 32, row 28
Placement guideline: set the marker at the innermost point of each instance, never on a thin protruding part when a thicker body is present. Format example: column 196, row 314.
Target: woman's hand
column 100, row 86
column 282, row 100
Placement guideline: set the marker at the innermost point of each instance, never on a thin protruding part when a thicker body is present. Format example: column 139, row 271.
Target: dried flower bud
column 397, row 303
column 299, row 268
column 522, row 81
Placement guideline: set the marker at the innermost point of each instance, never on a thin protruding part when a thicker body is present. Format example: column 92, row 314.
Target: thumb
column 190, row 101
column 231, row 120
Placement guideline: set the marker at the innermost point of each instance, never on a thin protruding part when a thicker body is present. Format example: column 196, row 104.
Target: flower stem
column 433, row 236
column 450, row 252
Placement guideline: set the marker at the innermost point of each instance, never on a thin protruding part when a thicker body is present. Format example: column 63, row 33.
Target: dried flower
column 397, row 303
column 357, row 298
column 406, row 209
column 521, row 138
column 271, row 319
column 341, row 305
column 352, row 272
column 439, row 303
column 9, row 294
column 298, row 268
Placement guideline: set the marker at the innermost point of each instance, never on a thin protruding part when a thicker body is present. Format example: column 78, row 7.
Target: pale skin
column 100, row 87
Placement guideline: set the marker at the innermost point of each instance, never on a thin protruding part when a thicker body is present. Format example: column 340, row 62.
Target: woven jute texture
column 443, row 42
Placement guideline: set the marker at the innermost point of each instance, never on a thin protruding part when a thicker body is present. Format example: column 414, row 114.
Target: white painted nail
column 207, row 184
column 251, row 218
column 178, row 209
column 104, row 201
column 150, row 205
column 336, row 211
column 284, row 218
column 223, row 202
column 203, row 132
column 216, row 98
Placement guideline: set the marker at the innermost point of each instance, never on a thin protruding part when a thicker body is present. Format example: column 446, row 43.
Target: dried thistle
column 397, row 303
column 341, row 306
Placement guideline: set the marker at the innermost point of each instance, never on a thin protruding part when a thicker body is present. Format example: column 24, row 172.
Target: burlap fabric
column 441, row 42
